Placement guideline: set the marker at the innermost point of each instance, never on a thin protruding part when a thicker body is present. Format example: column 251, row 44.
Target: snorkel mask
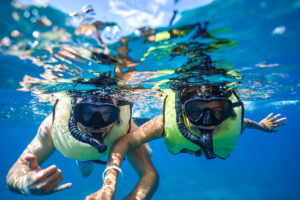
column 199, row 115
column 94, row 112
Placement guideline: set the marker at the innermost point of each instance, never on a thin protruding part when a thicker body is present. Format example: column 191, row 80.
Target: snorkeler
column 197, row 119
column 81, row 128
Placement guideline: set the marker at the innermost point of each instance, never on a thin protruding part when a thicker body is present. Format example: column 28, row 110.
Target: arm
column 139, row 159
column 27, row 167
column 267, row 124
column 149, row 131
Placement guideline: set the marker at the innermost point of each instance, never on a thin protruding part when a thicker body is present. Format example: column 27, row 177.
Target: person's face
column 87, row 113
column 216, row 108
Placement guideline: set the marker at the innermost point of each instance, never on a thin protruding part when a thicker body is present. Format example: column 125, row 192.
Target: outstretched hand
column 41, row 182
column 269, row 123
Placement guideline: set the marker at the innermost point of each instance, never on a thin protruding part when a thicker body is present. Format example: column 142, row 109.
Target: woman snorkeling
column 82, row 128
column 197, row 119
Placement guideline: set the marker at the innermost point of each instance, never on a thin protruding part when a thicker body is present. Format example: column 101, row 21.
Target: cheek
column 106, row 117
column 219, row 126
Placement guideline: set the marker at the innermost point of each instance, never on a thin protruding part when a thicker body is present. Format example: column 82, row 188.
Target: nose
column 207, row 118
column 96, row 120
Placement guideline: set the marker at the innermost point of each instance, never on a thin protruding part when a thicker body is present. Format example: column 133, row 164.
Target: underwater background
column 254, row 45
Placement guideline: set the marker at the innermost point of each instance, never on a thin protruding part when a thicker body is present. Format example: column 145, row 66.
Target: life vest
column 224, row 139
column 70, row 147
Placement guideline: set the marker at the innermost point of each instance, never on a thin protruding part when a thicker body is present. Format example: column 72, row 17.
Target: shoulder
column 45, row 128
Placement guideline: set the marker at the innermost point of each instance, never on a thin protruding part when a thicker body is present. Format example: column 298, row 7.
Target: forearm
column 140, row 160
column 41, row 147
column 146, row 186
column 248, row 123
column 149, row 131
column 116, row 158
column 19, row 171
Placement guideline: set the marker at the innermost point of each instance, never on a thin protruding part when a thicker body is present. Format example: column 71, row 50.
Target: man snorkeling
column 81, row 128
column 197, row 119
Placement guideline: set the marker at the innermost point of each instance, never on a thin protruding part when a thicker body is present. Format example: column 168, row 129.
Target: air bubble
column 36, row 34
column 111, row 34
column 26, row 13
column 35, row 12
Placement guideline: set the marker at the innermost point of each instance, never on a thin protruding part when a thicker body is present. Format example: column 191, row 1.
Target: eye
column 217, row 113
column 195, row 112
column 87, row 115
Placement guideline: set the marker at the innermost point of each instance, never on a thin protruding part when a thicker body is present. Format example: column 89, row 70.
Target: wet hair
column 103, row 81
column 98, row 98
column 208, row 90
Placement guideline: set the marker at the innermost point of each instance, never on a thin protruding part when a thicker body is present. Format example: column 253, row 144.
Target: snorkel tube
column 82, row 137
column 205, row 142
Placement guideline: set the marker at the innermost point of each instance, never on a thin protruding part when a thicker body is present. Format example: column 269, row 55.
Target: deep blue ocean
column 256, row 42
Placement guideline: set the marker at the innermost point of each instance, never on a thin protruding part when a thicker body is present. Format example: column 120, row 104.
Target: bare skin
column 147, row 132
column 140, row 160
column 153, row 129
column 46, row 181
column 267, row 124
column 39, row 181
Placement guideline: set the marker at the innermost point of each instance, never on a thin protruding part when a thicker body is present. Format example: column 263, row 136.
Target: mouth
column 206, row 127
column 205, row 130
column 97, row 131
column 97, row 135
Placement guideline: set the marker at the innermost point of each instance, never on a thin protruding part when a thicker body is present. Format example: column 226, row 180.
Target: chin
column 207, row 127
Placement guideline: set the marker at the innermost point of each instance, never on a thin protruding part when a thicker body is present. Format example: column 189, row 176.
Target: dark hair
column 213, row 89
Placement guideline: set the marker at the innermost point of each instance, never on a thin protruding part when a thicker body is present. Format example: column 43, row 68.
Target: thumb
column 32, row 161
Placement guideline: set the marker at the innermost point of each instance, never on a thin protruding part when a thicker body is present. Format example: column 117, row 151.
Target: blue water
column 263, row 166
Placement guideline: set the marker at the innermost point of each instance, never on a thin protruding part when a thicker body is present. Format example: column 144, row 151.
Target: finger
column 275, row 117
column 32, row 161
column 46, row 173
column 53, row 183
column 270, row 115
column 48, row 184
column 62, row 187
column 276, row 125
column 279, row 120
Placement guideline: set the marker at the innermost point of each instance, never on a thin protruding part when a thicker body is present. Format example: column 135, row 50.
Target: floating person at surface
column 197, row 119
column 82, row 128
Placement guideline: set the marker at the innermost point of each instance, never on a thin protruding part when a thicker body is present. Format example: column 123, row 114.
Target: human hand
column 269, row 123
column 41, row 182
column 105, row 193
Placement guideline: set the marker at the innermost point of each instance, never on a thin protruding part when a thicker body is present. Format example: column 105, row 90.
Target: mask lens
column 193, row 110
column 208, row 113
column 226, row 109
column 96, row 116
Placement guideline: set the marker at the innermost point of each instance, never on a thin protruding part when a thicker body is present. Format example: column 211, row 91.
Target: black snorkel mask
column 96, row 115
column 199, row 115
column 92, row 112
